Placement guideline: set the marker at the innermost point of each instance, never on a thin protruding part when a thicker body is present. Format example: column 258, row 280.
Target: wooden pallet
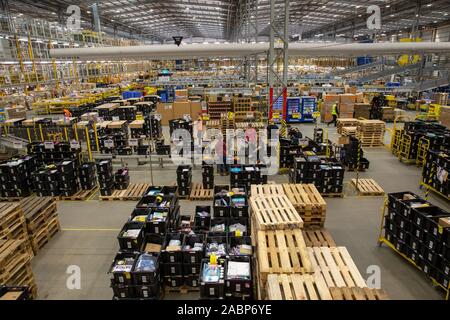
column 349, row 131
column 368, row 187
column 281, row 251
column 37, row 211
column 81, row 195
column 332, row 195
column 13, row 253
column 134, row 192
column 297, row 287
column 336, row 266
column 308, row 202
column 182, row 289
column 266, row 189
column 358, row 294
column 274, row 212
column 40, row 239
column 198, row 193
column 12, row 221
column 318, row 238
column 10, row 199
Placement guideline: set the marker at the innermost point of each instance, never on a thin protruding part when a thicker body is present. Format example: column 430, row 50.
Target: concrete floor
column 89, row 230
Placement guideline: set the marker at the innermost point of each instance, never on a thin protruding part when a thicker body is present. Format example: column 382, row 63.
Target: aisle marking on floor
column 81, row 229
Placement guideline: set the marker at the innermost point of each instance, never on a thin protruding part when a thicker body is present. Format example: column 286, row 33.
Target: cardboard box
column 212, row 98
column 181, row 108
column 331, row 98
column 196, row 109
column 346, row 108
column 181, row 95
column 166, row 112
column 344, row 140
column 347, row 98
column 445, row 116
column 359, row 97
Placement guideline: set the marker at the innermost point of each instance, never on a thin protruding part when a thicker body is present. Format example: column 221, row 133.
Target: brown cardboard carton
column 331, row 98
column 196, row 109
column 445, row 116
column 181, row 108
column 166, row 112
column 346, row 108
column 181, row 95
column 347, row 98
column 444, row 222
column 359, row 97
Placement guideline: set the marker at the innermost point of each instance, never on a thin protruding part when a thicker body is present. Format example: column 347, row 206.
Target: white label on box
column 194, row 283
column 121, row 279
column 129, row 245
column 156, row 229
column 193, row 259
column 109, row 144
column 122, row 294
column 238, row 287
column 211, row 291
column 115, row 119
column 17, row 145
column 144, row 279
column 74, row 144
column 174, row 283
column 172, row 269
column 133, row 142
column 49, row 145
column 172, row 259
column 145, row 292
column 194, row 270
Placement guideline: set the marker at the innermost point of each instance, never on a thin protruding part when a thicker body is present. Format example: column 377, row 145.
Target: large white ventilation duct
column 159, row 52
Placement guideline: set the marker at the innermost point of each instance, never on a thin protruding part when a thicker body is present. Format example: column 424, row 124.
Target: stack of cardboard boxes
column 346, row 105
column 445, row 116
column 180, row 107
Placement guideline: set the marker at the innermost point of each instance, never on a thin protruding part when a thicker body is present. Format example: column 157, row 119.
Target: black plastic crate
column 212, row 241
column 156, row 239
column 234, row 241
column 121, row 277
column 418, row 232
column 239, row 287
column 220, row 188
column 157, row 226
column 431, row 215
column 173, row 256
column 140, row 275
column 239, row 211
column 148, row 291
column 123, row 291
column 174, row 282
column 130, row 244
column 172, row 269
column 204, row 220
column 222, row 207
column 213, row 289
column 191, row 268
column 190, row 256
column 191, row 280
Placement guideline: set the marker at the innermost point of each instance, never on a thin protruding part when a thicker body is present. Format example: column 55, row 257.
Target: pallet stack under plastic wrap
column 15, row 249
column 297, row 260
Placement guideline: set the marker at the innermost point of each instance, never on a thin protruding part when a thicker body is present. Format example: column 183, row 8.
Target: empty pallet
column 308, row 202
column 12, row 221
column 368, row 187
column 134, row 192
column 266, row 189
column 37, row 211
column 81, row 195
column 336, row 266
column 282, row 251
column 297, row 287
column 358, row 294
column 198, row 193
column 318, row 238
column 274, row 212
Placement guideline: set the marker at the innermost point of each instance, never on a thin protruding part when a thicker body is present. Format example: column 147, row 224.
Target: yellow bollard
column 88, row 144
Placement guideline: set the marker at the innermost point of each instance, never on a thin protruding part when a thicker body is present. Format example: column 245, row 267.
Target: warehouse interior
column 225, row 150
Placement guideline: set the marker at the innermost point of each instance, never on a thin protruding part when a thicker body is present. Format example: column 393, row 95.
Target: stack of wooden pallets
column 12, row 222
column 344, row 123
column 308, row 202
column 15, row 265
column 349, row 131
column 371, row 133
column 42, row 220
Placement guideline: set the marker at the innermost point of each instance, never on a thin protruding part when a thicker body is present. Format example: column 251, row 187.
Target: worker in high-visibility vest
column 334, row 113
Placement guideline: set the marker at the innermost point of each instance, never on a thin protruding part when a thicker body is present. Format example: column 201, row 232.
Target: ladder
column 422, row 150
column 405, row 147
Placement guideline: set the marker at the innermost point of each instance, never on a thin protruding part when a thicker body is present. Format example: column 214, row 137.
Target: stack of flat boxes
column 434, row 171
column 328, row 177
column 184, row 180
column 246, row 175
column 52, row 153
column 15, row 177
column 105, row 177
column 122, row 179
column 46, row 182
column 208, row 176
column 127, row 113
column 68, row 174
column 419, row 230
column 350, row 158
column 288, row 152
column 87, row 175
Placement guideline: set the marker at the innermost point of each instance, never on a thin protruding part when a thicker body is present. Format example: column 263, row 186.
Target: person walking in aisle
column 221, row 156
column 334, row 113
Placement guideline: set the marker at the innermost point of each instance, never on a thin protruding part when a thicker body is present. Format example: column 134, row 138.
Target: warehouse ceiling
column 234, row 20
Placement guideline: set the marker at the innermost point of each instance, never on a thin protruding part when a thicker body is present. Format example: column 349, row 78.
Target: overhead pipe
column 162, row 52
